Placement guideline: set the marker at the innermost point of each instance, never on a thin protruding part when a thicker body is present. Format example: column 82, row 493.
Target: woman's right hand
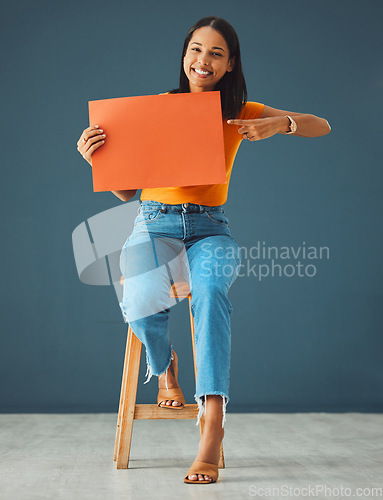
column 90, row 140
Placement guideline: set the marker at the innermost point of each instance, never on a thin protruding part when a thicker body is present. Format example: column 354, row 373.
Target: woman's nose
column 202, row 59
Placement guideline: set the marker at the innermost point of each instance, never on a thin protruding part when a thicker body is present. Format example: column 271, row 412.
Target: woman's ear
column 231, row 64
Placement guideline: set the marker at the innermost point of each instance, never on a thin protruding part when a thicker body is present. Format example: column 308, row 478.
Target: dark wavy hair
column 232, row 85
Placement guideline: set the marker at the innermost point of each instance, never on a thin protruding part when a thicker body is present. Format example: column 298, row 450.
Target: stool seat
column 129, row 410
column 179, row 289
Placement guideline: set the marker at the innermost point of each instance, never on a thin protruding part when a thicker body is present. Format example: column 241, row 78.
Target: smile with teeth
column 201, row 71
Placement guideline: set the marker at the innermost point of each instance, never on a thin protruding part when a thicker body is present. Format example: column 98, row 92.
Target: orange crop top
column 208, row 194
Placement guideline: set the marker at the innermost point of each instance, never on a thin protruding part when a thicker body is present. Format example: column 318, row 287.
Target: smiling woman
column 194, row 217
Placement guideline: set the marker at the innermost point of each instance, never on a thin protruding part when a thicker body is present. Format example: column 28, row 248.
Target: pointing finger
column 237, row 122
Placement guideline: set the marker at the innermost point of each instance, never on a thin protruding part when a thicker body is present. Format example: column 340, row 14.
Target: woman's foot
column 213, row 433
column 172, row 381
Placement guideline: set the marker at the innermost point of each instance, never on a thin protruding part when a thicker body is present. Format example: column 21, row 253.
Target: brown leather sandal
column 199, row 467
column 174, row 394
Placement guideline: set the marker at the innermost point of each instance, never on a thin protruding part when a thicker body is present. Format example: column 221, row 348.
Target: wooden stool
column 129, row 410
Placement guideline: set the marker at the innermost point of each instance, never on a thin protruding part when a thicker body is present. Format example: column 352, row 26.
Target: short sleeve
column 252, row 110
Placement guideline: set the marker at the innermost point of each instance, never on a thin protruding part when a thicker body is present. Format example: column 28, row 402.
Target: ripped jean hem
column 123, row 310
column 149, row 372
column 202, row 409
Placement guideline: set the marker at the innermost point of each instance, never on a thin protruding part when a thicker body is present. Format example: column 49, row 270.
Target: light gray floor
column 71, row 457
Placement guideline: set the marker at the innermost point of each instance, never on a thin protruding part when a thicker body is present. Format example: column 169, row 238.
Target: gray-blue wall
column 298, row 343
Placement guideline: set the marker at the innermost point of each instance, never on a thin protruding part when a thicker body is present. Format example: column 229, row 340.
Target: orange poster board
column 158, row 141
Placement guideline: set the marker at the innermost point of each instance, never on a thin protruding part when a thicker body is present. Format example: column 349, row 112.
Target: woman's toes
column 208, row 478
column 199, row 477
column 170, row 402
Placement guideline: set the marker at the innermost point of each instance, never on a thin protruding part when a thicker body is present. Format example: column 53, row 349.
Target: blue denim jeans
column 170, row 244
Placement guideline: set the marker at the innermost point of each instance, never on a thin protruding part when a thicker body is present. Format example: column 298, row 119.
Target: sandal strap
column 199, row 467
column 166, row 394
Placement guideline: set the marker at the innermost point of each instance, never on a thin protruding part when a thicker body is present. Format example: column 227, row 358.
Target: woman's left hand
column 261, row 128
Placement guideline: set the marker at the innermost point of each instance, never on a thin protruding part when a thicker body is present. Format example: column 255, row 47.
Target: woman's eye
column 214, row 53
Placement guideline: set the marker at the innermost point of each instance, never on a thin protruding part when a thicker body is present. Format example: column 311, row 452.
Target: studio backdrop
column 307, row 212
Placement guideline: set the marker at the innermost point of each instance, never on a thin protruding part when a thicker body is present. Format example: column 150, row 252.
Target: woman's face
column 206, row 59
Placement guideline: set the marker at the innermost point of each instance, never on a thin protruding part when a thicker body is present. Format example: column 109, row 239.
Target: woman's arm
column 273, row 121
column 126, row 194
column 307, row 125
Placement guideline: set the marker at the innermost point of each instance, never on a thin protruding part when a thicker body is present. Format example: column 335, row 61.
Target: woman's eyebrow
column 220, row 48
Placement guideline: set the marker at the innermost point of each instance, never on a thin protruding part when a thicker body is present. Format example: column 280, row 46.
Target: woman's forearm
column 125, row 195
column 307, row 125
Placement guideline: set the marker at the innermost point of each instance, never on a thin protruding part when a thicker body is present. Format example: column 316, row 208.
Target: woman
column 191, row 221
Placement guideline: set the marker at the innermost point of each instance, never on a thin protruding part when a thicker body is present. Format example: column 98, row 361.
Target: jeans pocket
column 148, row 216
column 217, row 217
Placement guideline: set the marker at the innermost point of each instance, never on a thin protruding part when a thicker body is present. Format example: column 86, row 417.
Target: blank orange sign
column 158, row 141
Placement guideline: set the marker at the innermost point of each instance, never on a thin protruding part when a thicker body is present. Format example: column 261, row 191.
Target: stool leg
column 193, row 338
column 221, row 464
column 122, row 392
column 127, row 400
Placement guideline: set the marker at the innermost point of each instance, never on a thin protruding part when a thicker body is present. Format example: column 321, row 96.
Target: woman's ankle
column 213, row 410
